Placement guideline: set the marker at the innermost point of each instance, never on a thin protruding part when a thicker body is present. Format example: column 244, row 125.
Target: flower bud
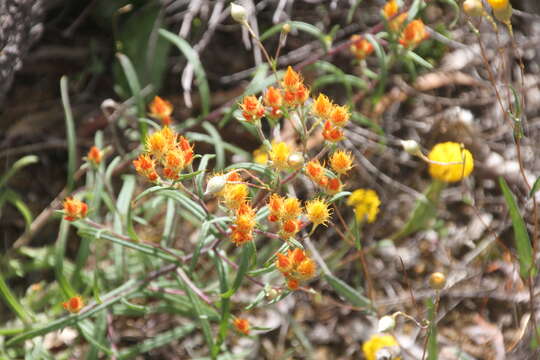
column 411, row 147
column 238, row 13
column 437, row 281
column 215, row 184
column 295, row 160
column 473, row 7
column 286, row 28
column 386, row 323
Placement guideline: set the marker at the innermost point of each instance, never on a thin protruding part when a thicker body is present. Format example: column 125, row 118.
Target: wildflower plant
column 214, row 237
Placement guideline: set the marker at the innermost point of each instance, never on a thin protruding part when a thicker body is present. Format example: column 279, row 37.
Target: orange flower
column 291, row 80
column 289, row 228
column 145, row 166
column 174, row 163
column 339, row 115
column 241, row 325
column 334, row 186
column 187, row 150
column 314, row 170
column 413, row 34
column 360, row 47
column 291, row 209
column 332, row 133
column 234, row 195
column 252, row 109
column 74, row 209
column 297, row 256
column 306, row 269
column 74, row 304
column 293, row 284
column 157, row 144
column 239, row 238
column 301, row 94
column 274, row 100
column 341, row 162
column 243, row 225
column 94, row 155
column 275, row 205
column 283, row 263
column 322, row 106
column 397, row 24
column 390, row 9
column 161, row 109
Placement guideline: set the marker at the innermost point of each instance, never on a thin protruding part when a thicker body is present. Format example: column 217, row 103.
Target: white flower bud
column 238, row 13
column 295, row 160
column 411, row 147
column 386, row 323
column 215, row 184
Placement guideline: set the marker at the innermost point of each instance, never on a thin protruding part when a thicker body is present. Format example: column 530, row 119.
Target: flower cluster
column 334, row 117
column 450, row 162
column 360, row 47
column 366, row 204
column 340, row 162
column 94, row 156
column 74, row 209
column 161, row 109
column 164, row 148
column 296, row 266
column 286, row 212
column 291, row 94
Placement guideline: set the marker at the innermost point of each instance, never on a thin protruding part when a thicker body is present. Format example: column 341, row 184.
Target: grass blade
column 193, row 58
column 135, row 87
column 70, row 134
column 18, row 165
column 12, row 301
column 347, row 292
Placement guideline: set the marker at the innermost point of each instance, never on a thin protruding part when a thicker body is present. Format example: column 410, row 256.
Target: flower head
column 234, row 195
column 145, row 166
column 289, row 228
column 413, row 34
column 161, row 109
column 273, row 99
column 332, row 133
column 322, row 106
column 390, row 9
column 260, row 156
column 283, row 263
column 279, row 154
column 241, row 325
column 306, row 269
column 74, row 304
column 291, row 80
column 157, row 144
column 94, row 155
column 74, row 209
column 341, row 162
column 317, row 212
column 314, row 170
column 360, row 47
column 275, row 206
column 366, row 204
column 499, row 4
column 460, row 159
column 333, row 186
column 252, row 109
column 376, row 343
column 339, row 115
column 291, row 209
column 244, row 223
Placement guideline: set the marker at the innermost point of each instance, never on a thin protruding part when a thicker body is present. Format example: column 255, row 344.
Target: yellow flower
column 341, row 162
column 260, row 156
column 366, row 204
column 450, row 152
column 390, row 9
column 291, row 209
column 279, row 154
column 322, row 106
column 234, row 195
column 499, row 4
column 157, row 144
column 377, row 343
column 317, row 212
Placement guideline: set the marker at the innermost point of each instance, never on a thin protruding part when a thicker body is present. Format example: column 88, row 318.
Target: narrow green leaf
column 347, row 292
column 521, row 236
column 218, row 144
column 122, row 217
column 193, row 58
column 302, row 26
column 19, row 204
column 12, row 301
column 535, row 187
column 60, row 251
column 18, row 165
column 432, row 347
column 70, row 134
column 135, row 87
column 243, row 268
